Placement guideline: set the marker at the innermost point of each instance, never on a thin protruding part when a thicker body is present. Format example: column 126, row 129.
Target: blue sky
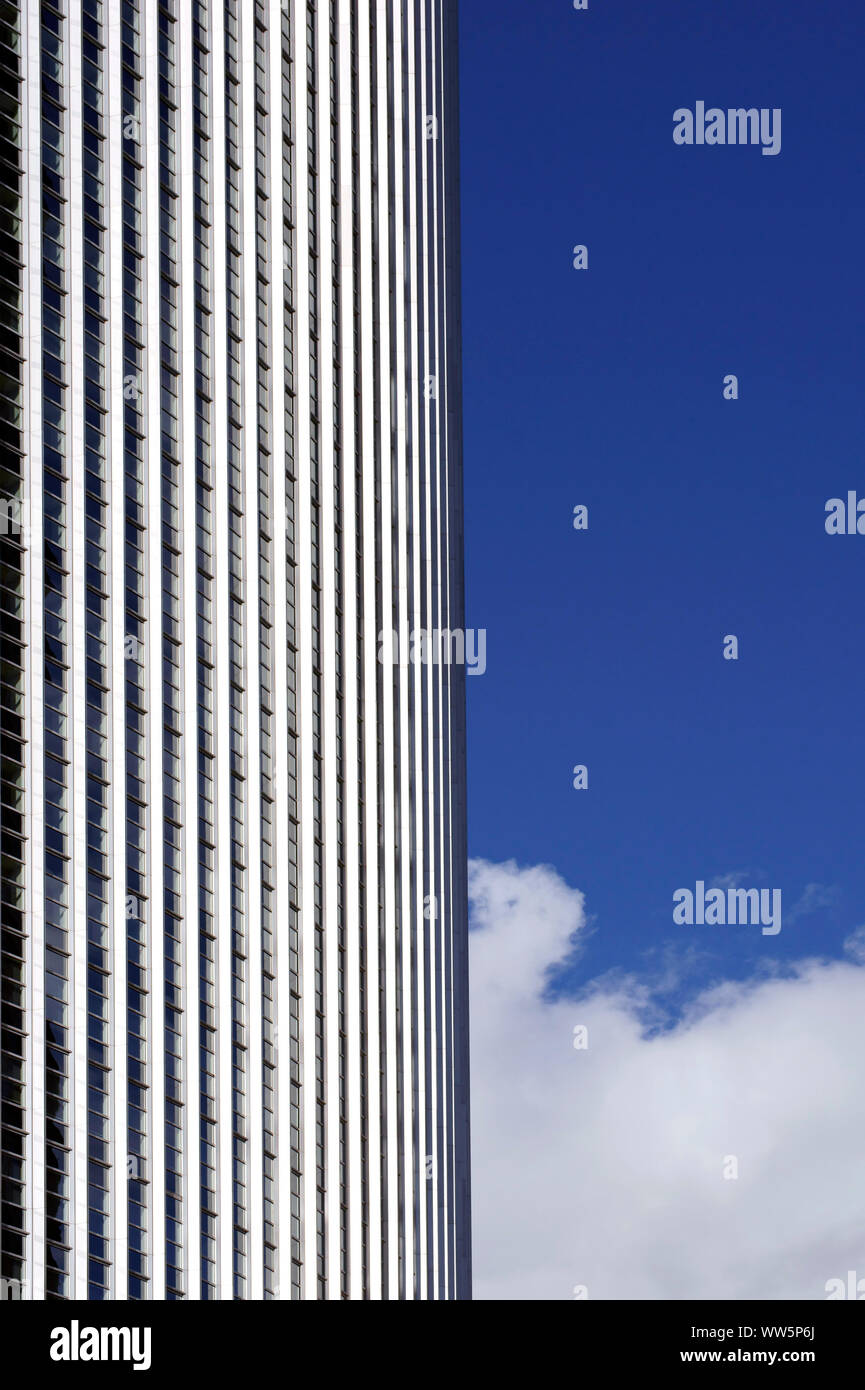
column 706, row 516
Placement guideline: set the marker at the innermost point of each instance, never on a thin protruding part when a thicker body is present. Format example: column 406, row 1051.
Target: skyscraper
column 234, row 1033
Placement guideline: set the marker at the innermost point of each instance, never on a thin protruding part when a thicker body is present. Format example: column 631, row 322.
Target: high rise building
column 234, row 1012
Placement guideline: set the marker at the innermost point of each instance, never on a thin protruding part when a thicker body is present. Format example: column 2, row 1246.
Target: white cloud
column 604, row 1167
column 815, row 897
column 733, row 879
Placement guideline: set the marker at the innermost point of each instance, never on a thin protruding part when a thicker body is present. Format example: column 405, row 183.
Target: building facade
column 234, row 1002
